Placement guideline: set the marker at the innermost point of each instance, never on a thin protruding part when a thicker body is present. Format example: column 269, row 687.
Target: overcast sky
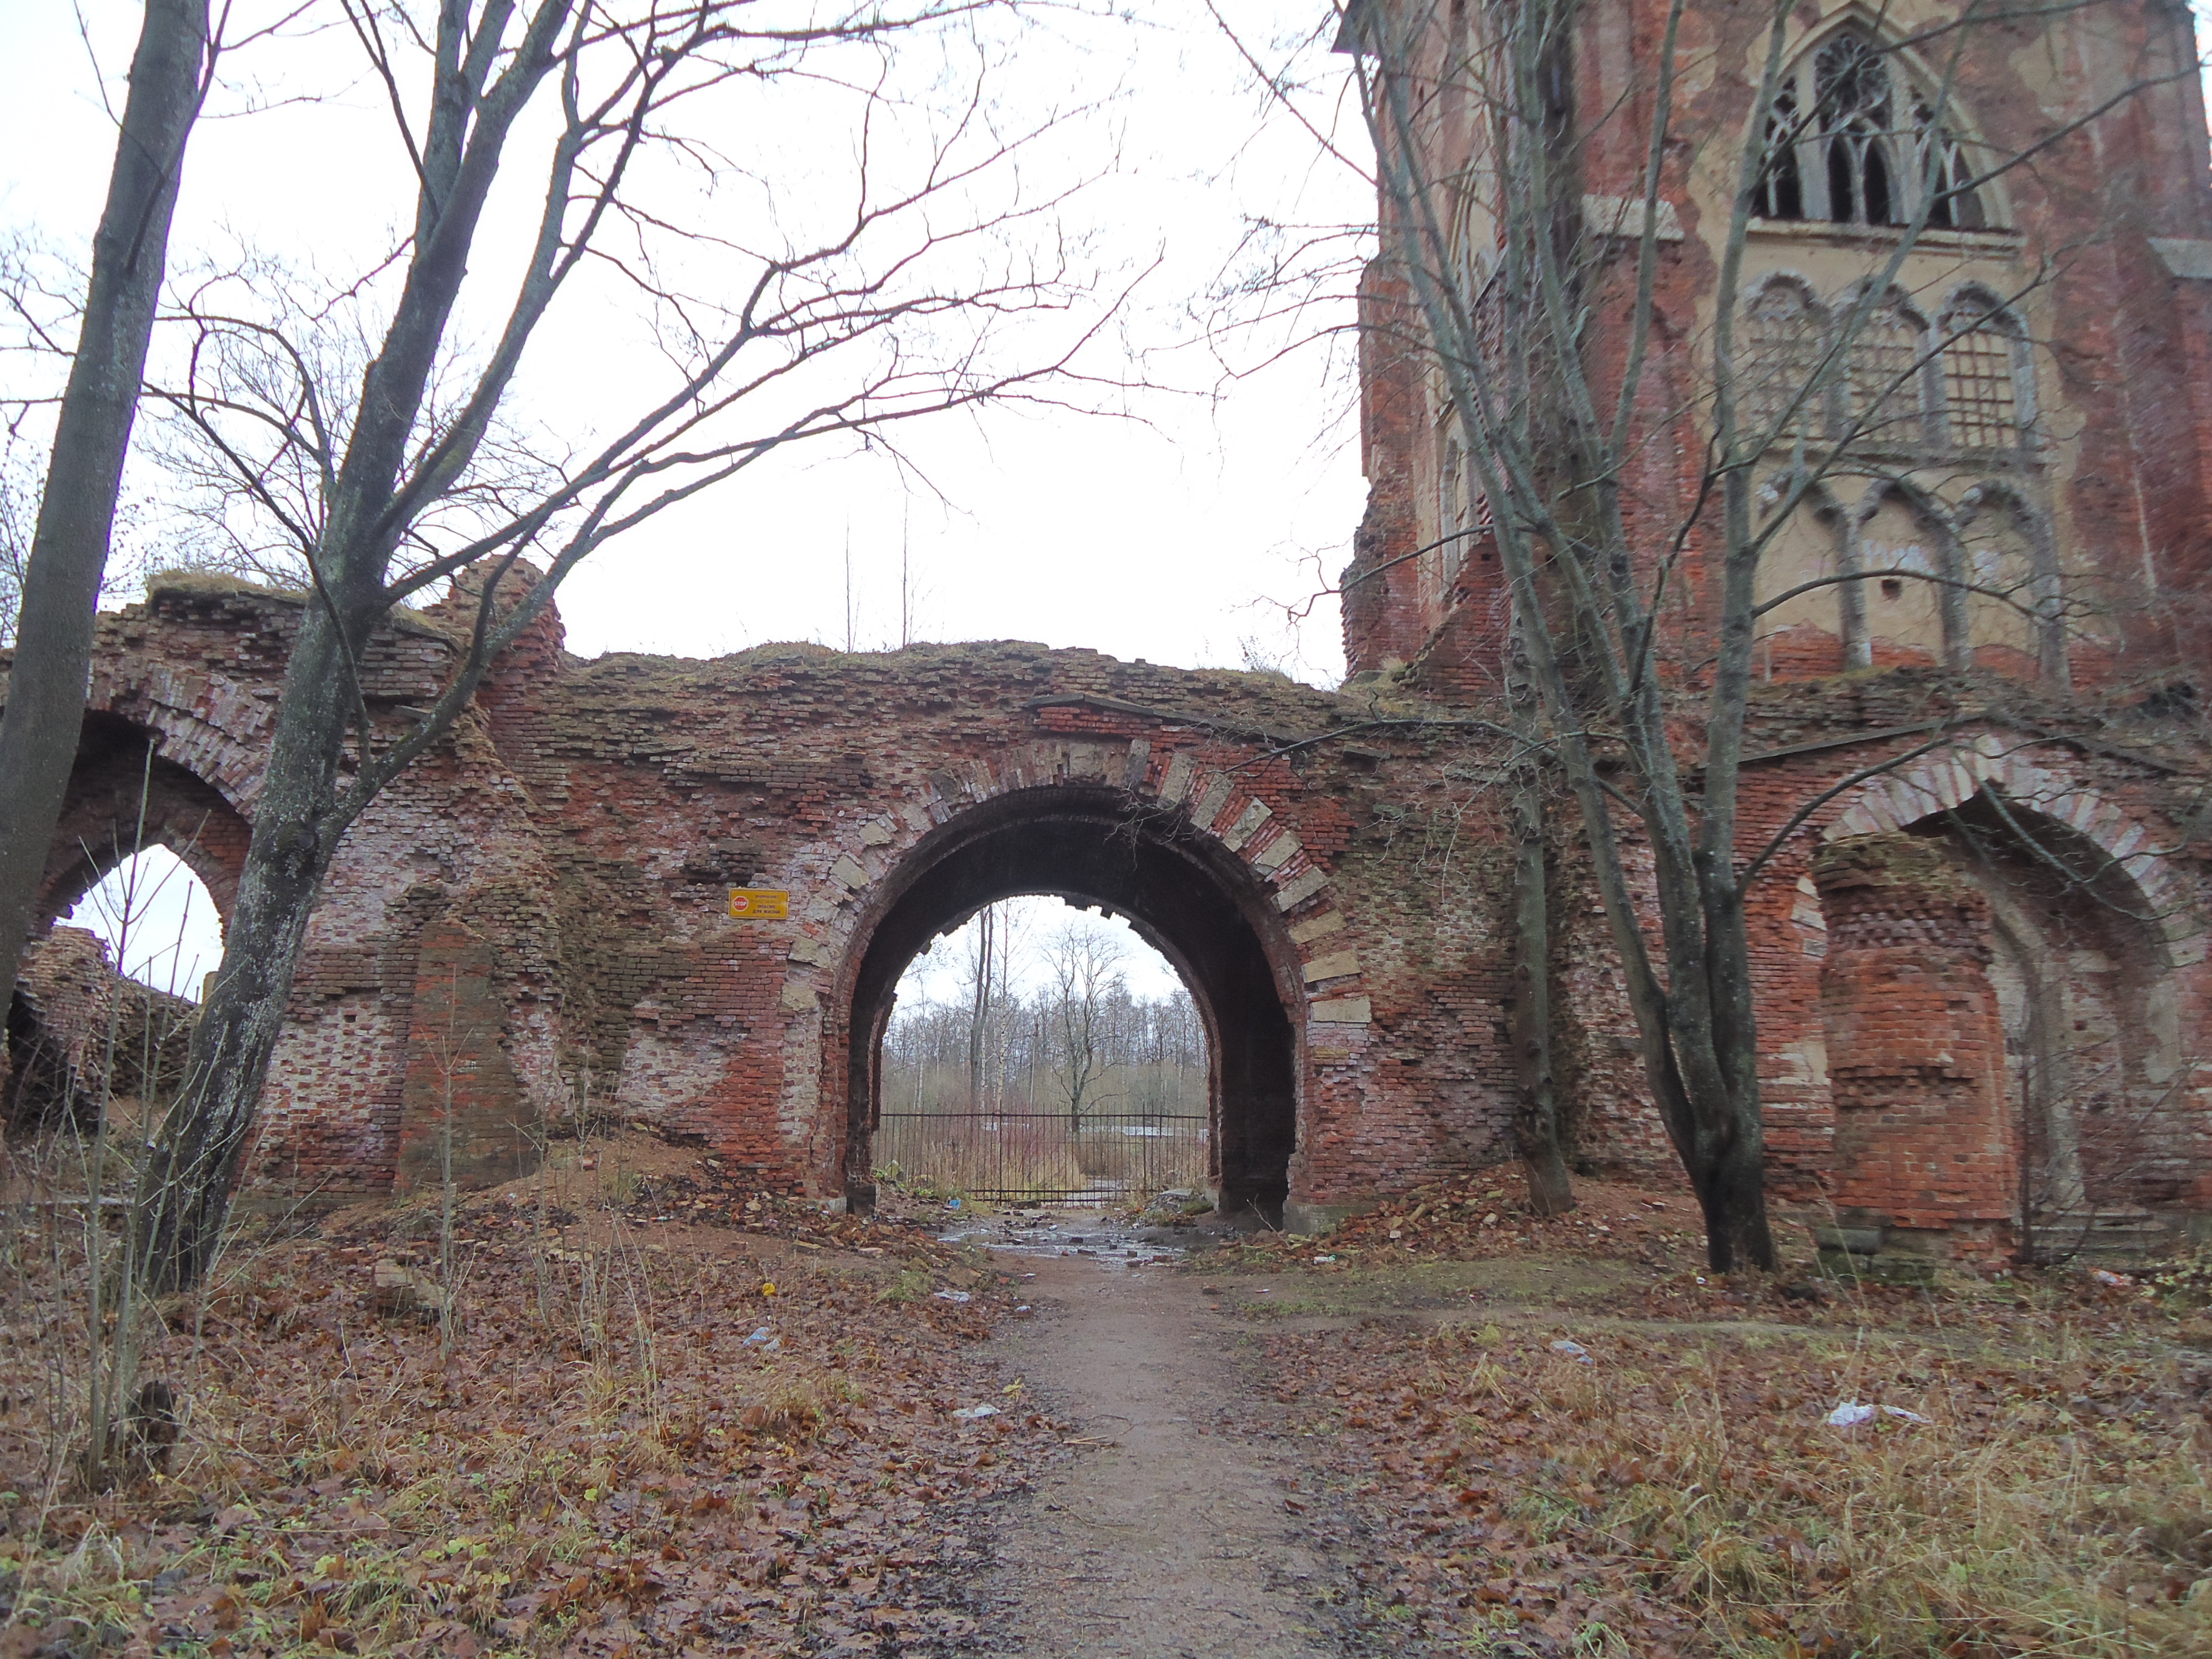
column 1176, row 533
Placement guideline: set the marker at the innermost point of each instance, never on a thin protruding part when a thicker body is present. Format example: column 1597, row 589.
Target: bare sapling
column 127, row 1426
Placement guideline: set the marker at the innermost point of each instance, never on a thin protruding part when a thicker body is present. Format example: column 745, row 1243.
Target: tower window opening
column 1888, row 406
column 1784, row 340
column 1848, row 142
column 1980, row 397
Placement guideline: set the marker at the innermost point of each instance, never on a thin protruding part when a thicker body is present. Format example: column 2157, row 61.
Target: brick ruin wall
column 79, row 1035
column 532, row 923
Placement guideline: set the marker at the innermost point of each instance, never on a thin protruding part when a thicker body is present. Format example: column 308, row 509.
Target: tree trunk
column 1732, row 1193
column 980, row 1014
column 184, row 1191
column 76, row 509
column 1537, row 1123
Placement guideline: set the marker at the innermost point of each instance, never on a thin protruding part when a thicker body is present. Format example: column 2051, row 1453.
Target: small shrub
column 911, row 1285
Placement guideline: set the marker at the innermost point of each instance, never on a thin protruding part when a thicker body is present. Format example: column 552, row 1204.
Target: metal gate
column 1042, row 1158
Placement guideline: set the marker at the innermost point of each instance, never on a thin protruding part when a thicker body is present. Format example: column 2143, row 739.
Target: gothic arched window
column 1982, row 404
column 1887, row 378
column 1853, row 129
column 1944, row 169
column 1782, row 342
column 1781, row 187
column 1847, row 141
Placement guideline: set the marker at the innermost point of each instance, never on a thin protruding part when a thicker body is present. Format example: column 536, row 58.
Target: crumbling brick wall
column 1923, row 1140
column 58, row 1027
column 550, row 886
column 80, row 1036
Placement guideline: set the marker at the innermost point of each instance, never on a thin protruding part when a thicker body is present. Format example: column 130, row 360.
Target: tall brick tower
column 2042, row 341
column 1872, row 341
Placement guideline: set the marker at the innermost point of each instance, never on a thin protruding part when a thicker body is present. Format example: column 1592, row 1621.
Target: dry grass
column 2010, row 1521
column 602, row 1456
column 1685, row 1493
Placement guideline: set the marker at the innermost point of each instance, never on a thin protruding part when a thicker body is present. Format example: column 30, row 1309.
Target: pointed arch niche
column 2063, row 1071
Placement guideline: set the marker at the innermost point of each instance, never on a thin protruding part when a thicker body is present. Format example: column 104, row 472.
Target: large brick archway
column 2041, row 784
column 2004, row 998
column 1183, row 888
column 534, row 916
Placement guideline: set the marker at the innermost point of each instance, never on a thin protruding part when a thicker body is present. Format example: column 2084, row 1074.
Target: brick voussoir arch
column 178, row 752
column 1994, row 760
column 1168, row 787
column 838, row 872
column 212, row 726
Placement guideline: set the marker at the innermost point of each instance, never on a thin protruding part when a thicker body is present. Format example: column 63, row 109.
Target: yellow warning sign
column 759, row 903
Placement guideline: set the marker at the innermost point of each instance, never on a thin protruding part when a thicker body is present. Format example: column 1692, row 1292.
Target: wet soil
column 1170, row 1530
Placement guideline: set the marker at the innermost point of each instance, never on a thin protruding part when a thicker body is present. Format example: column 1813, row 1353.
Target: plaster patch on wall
column 1341, row 1011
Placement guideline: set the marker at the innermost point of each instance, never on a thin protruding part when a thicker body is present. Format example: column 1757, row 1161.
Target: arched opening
column 1044, row 1052
column 143, row 867
column 2086, row 1004
column 2002, row 1034
column 158, row 920
column 1181, row 891
column 125, row 797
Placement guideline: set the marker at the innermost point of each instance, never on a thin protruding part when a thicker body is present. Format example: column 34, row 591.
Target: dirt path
column 1175, row 1540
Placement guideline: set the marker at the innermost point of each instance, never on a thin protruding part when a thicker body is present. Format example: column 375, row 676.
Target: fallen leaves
column 604, row 1462
column 1687, row 1488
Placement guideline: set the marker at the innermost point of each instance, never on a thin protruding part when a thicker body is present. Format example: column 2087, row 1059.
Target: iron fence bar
column 1043, row 1156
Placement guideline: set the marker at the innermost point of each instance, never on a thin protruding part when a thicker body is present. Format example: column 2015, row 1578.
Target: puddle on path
column 1060, row 1232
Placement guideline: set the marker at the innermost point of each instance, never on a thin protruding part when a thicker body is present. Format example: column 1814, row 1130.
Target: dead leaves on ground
column 1654, row 1492
column 628, row 1449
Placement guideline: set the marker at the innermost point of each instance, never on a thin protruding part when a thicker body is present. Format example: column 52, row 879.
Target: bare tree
column 18, row 508
column 983, row 974
column 1159, row 1044
column 55, row 593
column 1083, row 968
column 359, row 435
column 1532, row 299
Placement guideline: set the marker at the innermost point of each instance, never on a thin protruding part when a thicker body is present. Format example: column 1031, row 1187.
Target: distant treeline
column 1105, row 1051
